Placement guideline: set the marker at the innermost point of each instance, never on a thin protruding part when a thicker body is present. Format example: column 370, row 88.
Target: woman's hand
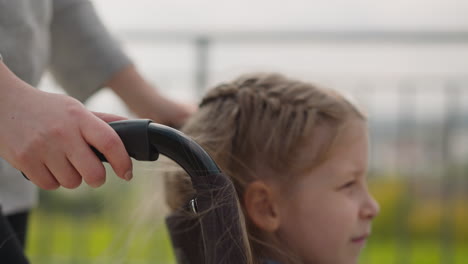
column 47, row 136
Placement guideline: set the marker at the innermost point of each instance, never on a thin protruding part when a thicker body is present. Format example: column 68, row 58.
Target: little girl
column 297, row 155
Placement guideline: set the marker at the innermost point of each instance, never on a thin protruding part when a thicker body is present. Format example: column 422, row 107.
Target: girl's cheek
column 354, row 198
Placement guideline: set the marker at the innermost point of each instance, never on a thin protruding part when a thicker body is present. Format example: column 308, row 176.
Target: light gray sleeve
column 83, row 54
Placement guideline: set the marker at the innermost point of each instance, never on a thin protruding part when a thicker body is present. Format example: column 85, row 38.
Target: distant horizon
column 438, row 15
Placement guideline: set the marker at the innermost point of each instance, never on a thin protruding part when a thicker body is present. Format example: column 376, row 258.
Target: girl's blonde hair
column 259, row 123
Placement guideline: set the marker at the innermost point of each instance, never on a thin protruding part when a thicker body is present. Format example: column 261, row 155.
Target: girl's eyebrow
column 357, row 172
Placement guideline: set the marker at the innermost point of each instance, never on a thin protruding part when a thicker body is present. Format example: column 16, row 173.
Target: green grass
column 420, row 251
column 78, row 240
column 63, row 239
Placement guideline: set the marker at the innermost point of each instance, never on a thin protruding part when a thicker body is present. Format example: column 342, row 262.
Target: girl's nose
column 371, row 208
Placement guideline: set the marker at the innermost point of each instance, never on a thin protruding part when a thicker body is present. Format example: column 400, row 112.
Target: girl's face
column 326, row 217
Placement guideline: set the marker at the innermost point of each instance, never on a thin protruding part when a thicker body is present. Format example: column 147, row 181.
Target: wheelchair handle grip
column 135, row 137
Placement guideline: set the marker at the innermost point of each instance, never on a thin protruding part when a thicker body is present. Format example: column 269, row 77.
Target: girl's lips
column 360, row 239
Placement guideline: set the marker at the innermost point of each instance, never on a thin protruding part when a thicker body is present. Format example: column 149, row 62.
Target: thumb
column 109, row 117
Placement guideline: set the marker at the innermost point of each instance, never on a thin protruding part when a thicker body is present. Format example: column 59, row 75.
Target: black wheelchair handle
column 206, row 239
column 145, row 140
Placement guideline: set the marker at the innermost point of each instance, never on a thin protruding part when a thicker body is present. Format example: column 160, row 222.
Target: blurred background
column 404, row 62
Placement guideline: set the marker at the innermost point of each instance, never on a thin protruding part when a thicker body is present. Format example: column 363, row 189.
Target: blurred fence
column 419, row 159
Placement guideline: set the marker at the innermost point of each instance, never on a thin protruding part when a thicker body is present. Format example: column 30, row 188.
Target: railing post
column 450, row 176
column 405, row 133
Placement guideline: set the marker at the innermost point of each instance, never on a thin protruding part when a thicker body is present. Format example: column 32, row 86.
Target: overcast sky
column 285, row 14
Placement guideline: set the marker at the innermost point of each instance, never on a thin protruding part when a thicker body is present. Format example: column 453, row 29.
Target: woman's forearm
column 137, row 94
column 145, row 100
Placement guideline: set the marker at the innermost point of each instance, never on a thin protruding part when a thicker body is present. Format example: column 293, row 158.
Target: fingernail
column 129, row 175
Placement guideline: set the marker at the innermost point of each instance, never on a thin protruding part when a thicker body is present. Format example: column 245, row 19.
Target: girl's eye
column 348, row 184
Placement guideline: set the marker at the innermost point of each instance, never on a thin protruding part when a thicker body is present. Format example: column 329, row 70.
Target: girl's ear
column 261, row 206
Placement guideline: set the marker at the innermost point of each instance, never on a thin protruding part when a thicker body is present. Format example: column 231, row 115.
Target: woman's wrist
column 12, row 88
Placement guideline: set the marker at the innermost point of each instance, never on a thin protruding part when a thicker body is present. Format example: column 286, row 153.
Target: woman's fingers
column 109, row 117
column 87, row 164
column 64, row 172
column 41, row 176
column 100, row 135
